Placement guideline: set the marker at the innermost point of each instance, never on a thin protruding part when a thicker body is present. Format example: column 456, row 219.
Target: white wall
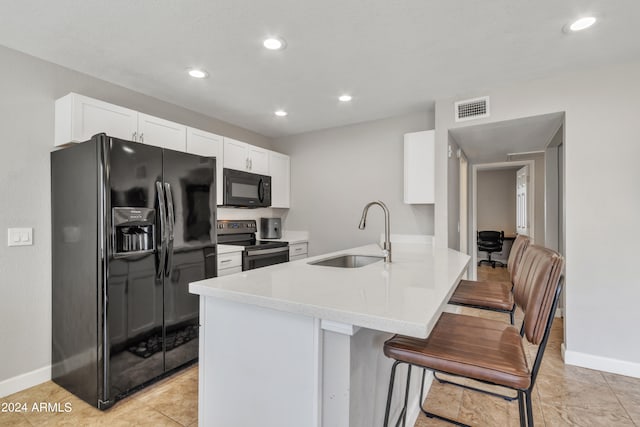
column 335, row 172
column 29, row 87
column 497, row 200
column 602, row 202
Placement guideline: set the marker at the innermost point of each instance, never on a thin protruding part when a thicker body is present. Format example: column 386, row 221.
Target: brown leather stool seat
column 454, row 344
column 485, row 350
column 492, row 295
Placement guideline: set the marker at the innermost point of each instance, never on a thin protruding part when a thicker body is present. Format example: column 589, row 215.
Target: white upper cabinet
column 161, row 133
column 78, row 118
column 258, row 160
column 419, row 167
column 210, row 145
column 245, row 157
column 280, row 171
column 235, row 155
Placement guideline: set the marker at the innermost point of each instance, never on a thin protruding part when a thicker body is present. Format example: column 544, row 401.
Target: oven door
column 256, row 258
column 246, row 189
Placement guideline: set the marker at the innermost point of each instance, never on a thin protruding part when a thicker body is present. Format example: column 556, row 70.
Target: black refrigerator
column 132, row 226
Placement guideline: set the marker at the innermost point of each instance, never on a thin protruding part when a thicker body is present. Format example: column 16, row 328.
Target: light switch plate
column 20, row 236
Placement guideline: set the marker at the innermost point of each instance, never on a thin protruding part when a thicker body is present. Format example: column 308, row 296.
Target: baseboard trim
column 24, row 381
column 606, row 364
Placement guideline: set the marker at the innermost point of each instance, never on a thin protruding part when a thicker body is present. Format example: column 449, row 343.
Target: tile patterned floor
column 563, row 396
column 171, row 402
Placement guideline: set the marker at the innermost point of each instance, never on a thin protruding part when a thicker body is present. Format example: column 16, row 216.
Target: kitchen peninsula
column 298, row 344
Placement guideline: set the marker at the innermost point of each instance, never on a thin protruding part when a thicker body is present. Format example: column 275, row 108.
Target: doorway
column 510, row 218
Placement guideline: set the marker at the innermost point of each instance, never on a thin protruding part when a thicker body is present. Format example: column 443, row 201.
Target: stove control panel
column 236, row 226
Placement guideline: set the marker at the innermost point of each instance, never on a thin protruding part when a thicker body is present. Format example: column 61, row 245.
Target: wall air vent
column 471, row 109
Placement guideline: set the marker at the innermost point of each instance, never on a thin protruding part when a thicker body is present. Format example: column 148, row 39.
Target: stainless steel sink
column 348, row 261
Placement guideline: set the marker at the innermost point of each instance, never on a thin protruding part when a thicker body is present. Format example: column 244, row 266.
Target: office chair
column 489, row 242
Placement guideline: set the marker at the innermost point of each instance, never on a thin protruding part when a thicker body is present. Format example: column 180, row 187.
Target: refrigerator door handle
column 172, row 222
column 163, row 234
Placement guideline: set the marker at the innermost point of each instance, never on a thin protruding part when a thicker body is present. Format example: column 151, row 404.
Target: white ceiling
column 492, row 142
column 394, row 57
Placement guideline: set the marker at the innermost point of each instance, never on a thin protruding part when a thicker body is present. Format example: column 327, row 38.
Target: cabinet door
column 229, row 261
column 161, row 133
column 419, row 167
column 235, row 155
column 78, row 118
column 279, row 169
column 207, row 144
column 258, row 160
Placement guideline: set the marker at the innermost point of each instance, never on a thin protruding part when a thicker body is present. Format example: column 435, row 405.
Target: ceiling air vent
column 471, row 109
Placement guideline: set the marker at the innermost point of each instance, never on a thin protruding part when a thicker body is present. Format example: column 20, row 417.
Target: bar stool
column 489, row 351
column 490, row 295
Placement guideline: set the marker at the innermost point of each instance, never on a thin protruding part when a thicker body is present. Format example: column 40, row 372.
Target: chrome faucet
column 386, row 248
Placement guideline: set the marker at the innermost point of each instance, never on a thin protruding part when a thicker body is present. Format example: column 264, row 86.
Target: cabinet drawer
column 229, row 260
column 298, row 249
column 297, row 257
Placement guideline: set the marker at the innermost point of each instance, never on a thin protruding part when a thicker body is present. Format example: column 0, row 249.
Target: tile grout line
column 544, row 418
column 618, row 399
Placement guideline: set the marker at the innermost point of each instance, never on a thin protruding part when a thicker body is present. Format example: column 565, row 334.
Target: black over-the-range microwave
column 245, row 189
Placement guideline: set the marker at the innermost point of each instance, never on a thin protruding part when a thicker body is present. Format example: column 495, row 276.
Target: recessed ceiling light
column 198, row 74
column 582, row 23
column 281, row 113
column 274, row 43
column 345, row 98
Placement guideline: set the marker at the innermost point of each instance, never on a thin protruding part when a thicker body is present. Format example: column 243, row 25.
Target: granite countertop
column 402, row 297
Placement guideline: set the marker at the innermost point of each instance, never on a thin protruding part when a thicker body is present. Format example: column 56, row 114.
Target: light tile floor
column 171, row 402
column 563, row 396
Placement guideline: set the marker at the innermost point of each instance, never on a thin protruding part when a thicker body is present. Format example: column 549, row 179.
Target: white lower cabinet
column 229, row 263
column 298, row 251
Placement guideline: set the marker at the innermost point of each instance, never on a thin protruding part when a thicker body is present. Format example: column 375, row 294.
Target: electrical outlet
column 20, row 236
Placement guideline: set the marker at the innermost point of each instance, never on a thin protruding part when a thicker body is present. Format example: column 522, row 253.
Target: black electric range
column 257, row 253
